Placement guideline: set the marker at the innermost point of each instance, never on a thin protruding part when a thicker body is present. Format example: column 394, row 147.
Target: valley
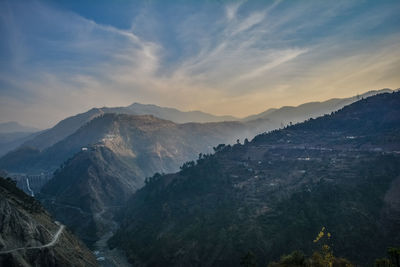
column 199, row 133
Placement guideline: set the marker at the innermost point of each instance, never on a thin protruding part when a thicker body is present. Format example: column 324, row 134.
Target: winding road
column 55, row 239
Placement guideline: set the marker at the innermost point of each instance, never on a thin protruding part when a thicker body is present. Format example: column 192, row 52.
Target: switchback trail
column 50, row 244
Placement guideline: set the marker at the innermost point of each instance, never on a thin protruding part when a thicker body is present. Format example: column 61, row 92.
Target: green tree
column 294, row 259
column 394, row 256
column 392, row 261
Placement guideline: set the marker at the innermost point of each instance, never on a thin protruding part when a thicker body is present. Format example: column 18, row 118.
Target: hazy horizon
column 225, row 58
column 242, row 117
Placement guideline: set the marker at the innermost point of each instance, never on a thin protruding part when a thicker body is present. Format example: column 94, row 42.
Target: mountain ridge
column 312, row 109
column 178, row 116
column 70, row 124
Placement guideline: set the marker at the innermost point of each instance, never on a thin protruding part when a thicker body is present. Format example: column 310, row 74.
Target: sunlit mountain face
column 199, row 133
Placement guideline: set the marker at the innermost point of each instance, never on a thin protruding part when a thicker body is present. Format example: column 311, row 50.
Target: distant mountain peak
column 177, row 115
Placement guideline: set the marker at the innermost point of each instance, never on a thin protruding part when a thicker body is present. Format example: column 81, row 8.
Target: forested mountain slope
column 272, row 195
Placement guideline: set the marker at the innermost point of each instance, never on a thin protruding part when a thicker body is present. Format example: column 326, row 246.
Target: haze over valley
column 199, row 133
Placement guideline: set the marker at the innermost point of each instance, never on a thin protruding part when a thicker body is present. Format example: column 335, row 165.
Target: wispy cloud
column 249, row 22
column 238, row 58
column 232, row 9
column 277, row 58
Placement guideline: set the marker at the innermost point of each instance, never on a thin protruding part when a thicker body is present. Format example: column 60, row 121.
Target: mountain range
column 278, row 116
column 255, row 124
column 272, row 195
column 71, row 124
column 103, row 156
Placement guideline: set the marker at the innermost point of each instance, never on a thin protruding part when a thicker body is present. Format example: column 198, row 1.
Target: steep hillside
column 84, row 193
column 272, row 195
column 119, row 152
column 29, row 236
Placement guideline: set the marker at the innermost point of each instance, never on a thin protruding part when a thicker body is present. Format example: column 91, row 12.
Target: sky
column 60, row 58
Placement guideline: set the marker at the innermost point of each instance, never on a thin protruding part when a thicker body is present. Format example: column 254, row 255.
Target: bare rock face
column 30, row 237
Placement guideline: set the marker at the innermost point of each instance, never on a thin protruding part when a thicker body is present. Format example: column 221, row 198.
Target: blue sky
column 58, row 58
